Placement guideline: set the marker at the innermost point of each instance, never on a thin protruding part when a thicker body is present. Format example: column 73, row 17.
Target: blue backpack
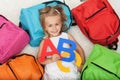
column 29, row 20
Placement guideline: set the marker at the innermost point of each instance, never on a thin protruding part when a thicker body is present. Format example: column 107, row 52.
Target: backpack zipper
column 2, row 25
column 97, row 11
column 12, row 71
column 38, row 67
column 106, row 70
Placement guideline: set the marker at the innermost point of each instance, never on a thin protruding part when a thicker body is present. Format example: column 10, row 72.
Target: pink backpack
column 12, row 39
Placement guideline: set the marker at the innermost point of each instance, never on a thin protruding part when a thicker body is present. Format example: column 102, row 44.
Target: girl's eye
column 50, row 26
column 56, row 24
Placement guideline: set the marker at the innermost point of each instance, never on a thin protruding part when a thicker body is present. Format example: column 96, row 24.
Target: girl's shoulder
column 43, row 40
column 64, row 33
column 68, row 35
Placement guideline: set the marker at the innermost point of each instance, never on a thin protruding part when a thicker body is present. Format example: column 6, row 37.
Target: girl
column 52, row 21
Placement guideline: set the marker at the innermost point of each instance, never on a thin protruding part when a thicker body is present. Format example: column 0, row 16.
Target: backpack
column 98, row 21
column 12, row 39
column 29, row 20
column 21, row 67
column 102, row 64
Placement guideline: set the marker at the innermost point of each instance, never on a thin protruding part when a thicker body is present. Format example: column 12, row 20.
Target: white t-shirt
column 53, row 72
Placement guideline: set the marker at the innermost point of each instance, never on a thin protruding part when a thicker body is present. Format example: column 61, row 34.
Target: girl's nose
column 54, row 28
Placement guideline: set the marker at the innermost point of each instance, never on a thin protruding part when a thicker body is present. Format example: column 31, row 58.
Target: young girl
column 52, row 20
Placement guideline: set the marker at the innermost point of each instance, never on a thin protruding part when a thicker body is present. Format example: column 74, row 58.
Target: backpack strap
column 113, row 45
column 2, row 25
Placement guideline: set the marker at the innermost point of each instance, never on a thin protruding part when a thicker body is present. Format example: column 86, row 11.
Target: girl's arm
column 79, row 50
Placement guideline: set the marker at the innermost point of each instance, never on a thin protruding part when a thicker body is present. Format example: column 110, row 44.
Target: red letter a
column 47, row 43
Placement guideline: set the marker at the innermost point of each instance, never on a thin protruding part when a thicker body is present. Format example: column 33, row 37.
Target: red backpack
column 98, row 21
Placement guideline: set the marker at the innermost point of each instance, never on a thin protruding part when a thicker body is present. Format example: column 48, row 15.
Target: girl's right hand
column 55, row 57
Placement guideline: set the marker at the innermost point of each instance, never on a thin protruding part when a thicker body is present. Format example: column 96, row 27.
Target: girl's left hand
column 55, row 57
column 80, row 68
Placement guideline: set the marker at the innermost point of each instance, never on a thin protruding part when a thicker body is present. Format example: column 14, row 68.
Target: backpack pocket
column 102, row 73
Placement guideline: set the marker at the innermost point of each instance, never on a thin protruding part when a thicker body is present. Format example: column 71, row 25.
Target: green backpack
column 102, row 64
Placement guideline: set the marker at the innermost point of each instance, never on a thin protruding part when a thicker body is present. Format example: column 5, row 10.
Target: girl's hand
column 55, row 57
column 80, row 68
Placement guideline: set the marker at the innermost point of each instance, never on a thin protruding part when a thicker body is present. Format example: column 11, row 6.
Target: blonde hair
column 53, row 11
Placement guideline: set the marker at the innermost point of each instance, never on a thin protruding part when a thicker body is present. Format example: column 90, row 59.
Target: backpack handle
column 113, row 45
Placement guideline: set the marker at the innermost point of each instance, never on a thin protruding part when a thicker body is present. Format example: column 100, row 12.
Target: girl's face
column 53, row 25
